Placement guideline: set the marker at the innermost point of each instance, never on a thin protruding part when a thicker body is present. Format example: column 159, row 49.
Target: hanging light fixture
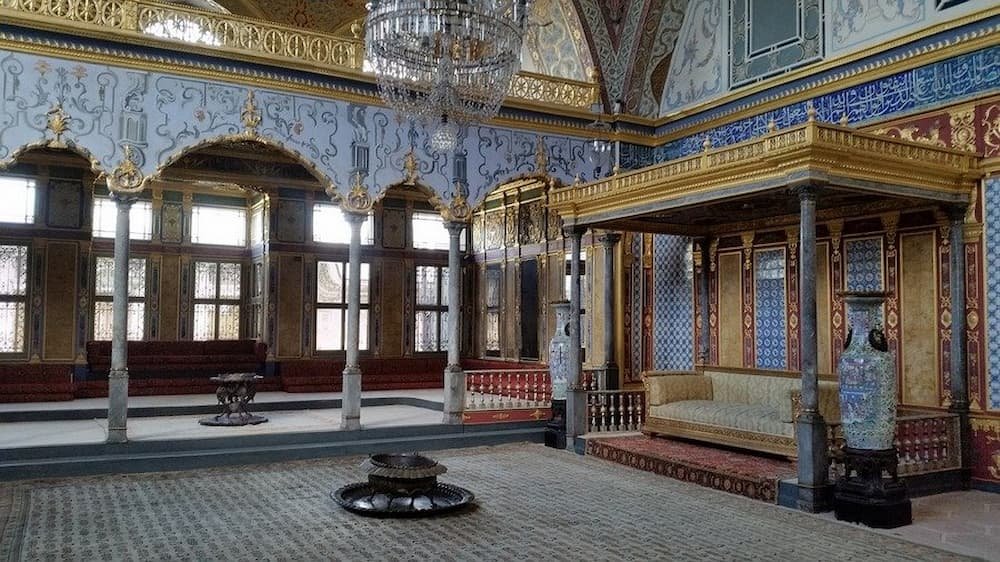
column 445, row 63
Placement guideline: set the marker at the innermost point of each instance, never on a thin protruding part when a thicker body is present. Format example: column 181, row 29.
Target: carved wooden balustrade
column 925, row 441
column 612, row 410
column 493, row 395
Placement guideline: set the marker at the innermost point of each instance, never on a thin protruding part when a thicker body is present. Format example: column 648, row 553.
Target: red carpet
column 743, row 473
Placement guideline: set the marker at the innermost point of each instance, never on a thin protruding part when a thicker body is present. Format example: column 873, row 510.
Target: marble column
column 959, row 360
column 350, row 410
column 610, row 368
column 454, row 376
column 576, row 394
column 118, row 375
column 704, row 334
column 810, row 427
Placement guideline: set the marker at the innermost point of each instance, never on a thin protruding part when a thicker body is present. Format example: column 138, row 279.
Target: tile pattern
column 946, row 81
column 673, row 304
column 864, row 264
column 635, row 296
column 523, row 493
column 991, row 235
column 769, row 310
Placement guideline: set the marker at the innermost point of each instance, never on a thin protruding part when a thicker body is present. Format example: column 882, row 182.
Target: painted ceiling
column 628, row 42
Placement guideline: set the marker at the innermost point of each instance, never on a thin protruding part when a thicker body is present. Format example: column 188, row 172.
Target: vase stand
column 870, row 491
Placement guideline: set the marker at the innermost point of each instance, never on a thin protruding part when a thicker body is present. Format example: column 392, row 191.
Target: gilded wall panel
column 290, row 299
column 291, row 221
column 531, row 222
column 494, row 229
column 393, row 321
column 510, row 227
column 60, row 306
column 169, row 296
column 918, row 304
column 730, row 310
column 394, row 228
column 824, row 363
column 65, row 204
column 172, row 223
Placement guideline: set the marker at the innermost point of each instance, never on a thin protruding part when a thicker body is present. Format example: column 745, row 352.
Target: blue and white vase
column 867, row 374
column 559, row 351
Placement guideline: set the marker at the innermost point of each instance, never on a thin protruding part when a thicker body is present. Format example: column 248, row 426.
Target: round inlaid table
column 235, row 391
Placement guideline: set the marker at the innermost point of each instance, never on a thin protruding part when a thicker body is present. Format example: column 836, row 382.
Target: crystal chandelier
column 445, row 63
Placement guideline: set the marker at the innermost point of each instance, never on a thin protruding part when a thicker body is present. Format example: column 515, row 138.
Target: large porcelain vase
column 867, row 377
column 559, row 351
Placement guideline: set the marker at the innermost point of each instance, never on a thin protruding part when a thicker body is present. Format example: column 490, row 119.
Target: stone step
column 158, row 456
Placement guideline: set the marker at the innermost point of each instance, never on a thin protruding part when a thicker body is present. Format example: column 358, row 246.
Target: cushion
column 747, row 417
column 675, row 388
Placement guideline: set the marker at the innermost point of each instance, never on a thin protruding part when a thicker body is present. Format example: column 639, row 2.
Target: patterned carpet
column 736, row 472
column 533, row 503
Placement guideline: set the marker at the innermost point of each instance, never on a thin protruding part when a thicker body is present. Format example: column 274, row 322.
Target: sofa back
column 745, row 388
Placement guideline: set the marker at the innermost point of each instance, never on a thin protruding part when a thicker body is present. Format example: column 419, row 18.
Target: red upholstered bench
column 324, row 375
column 174, row 367
column 35, row 382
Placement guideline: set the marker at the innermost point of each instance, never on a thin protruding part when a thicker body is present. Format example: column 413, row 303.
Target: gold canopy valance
column 851, row 166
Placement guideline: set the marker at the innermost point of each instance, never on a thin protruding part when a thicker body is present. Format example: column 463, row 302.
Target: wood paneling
column 918, row 312
column 393, row 312
column 170, row 294
column 290, row 306
column 60, row 305
column 730, row 310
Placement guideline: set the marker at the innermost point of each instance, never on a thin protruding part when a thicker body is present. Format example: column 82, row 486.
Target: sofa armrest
column 829, row 403
column 665, row 387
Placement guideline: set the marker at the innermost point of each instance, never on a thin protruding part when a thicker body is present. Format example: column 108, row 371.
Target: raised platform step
column 157, row 456
column 742, row 473
column 88, row 413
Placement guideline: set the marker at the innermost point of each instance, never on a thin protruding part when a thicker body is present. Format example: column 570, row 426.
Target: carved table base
column 234, row 393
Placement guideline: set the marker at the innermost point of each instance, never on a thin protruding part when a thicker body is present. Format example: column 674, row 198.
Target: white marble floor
column 162, row 428
column 433, row 394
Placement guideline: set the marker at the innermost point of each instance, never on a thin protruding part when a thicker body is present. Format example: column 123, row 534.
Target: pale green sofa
column 740, row 408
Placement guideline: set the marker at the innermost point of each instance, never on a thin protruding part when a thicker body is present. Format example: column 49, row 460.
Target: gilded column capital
column 126, row 177
column 358, row 200
column 609, row 238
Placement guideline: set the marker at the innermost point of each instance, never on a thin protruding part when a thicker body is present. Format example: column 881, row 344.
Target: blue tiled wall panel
column 864, row 264
column 673, row 303
column 924, row 87
column 770, row 325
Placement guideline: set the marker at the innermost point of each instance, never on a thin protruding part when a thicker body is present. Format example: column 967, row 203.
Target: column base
column 454, row 394
column 118, row 406
column 350, row 400
column 813, row 464
column 576, row 415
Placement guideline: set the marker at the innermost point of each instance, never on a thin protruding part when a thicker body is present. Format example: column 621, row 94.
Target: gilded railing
column 925, row 442
column 171, row 25
column 501, row 389
column 941, row 169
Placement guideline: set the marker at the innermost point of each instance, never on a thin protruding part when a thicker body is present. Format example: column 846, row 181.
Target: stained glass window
column 104, row 290
column 225, row 226
column 18, row 195
column 331, row 305
column 13, row 297
column 217, row 300
column 431, row 322
column 140, row 219
column 330, row 226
